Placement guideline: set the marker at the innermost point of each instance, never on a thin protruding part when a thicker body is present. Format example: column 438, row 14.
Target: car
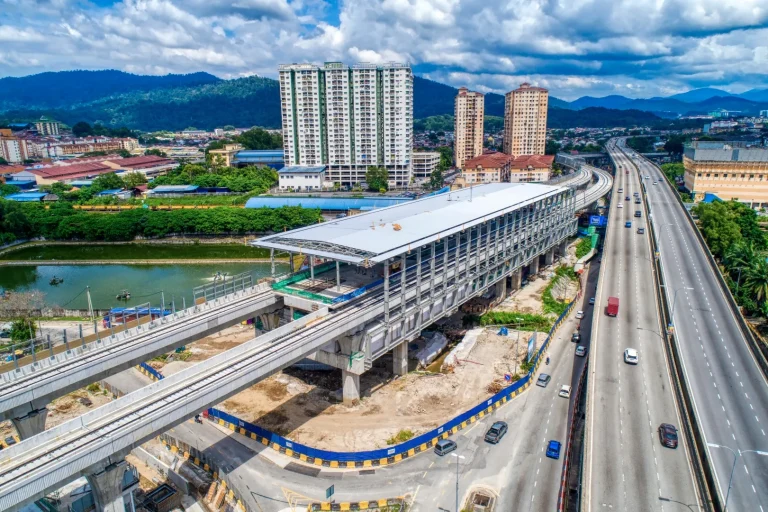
column 576, row 337
column 668, row 435
column 631, row 356
column 553, row 449
column 581, row 351
column 543, row 380
column 647, row 177
column 621, row 190
column 628, row 224
column 444, row 446
column 591, row 301
column 636, row 194
column 579, row 315
column 655, row 182
column 619, row 205
column 565, row 391
column 640, row 231
column 10, row 440
column 626, row 198
column 496, row 432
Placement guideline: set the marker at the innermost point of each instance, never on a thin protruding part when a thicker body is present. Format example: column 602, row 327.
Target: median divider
column 383, row 456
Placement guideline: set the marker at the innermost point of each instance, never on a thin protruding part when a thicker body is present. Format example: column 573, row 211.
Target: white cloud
column 574, row 47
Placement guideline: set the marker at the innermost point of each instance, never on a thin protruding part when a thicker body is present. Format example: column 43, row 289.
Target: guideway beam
column 31, row 423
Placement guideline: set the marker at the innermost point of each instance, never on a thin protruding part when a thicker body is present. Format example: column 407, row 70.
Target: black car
column 626, row 198
column 576, row 337
column 496, row 432
column 668, row 435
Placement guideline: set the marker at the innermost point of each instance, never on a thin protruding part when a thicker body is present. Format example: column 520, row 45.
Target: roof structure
column 489, row 160
column 68, row 172
column 535, row 161
column 27, row 197
column 375, row 236
column 710, row 151
column 139, row 162
column 170, row 189
column 340, row 204
column 301, row 169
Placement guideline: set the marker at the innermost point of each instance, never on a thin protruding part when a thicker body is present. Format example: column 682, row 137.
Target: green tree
column 124, row 153
column 3, row 161
column 6, row 190
column 155, row 152
column 133, row 179
column 674, row 144
column 22, row 329
column 718, row 226
column 436, row 179
column 552, row 147
column 258, row 138
column 756, row 279
column 446, row 158
column 82, row 129
column 108, row 181
column 377, row 178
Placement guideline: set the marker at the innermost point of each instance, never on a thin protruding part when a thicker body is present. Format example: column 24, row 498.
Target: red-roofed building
column 490, row 167
column 531, row 168
column 67, row 173
column 150, row 165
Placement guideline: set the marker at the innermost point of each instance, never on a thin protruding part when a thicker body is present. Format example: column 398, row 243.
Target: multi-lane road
column 627, row 468
column 729, row 391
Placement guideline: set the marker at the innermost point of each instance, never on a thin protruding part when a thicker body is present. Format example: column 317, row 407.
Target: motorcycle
column 547, row 360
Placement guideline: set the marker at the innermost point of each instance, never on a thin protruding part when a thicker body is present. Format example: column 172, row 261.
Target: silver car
column 543, row 380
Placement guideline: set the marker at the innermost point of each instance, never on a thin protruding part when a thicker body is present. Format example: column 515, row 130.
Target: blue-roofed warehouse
column 327, row 204
column 22, row 184
column 31, row 197
column 270, row 157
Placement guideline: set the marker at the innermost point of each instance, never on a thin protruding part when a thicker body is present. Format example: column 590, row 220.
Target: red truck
column 613, row 306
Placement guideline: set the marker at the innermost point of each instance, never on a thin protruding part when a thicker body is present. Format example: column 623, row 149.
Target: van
column 444, row 446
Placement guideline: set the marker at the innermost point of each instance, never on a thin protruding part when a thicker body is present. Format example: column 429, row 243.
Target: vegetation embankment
column 554, row 298
column 672, row 172
column 116, row 251
column 521, row 321
column 583, row 247
column 734, row 237
column 63, row 222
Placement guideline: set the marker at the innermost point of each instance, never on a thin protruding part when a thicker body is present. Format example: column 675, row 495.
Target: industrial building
column 731, row 170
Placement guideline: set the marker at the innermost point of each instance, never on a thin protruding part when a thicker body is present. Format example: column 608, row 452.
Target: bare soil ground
column 304, row 407
column 66, row 408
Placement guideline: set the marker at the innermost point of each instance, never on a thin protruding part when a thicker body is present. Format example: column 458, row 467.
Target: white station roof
column 374, row 236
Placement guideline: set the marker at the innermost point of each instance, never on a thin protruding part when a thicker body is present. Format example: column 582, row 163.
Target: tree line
column 734, row 236
column 62, row 222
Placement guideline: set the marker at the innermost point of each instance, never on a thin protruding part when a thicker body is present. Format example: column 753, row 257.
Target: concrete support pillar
column 32, row 423
column 386, row 288
column 106, row 482
column 534, row 265
column 270, row 321
column 351, row 386
column 549, row 256
column 400, row 359
column 517, row 279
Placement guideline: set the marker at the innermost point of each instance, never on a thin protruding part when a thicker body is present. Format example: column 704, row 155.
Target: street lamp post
column 457, row 479
column 674, row 302
column 736, row 454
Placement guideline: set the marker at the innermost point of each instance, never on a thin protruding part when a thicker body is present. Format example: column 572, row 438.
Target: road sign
column 507, row 377
column 329, row 493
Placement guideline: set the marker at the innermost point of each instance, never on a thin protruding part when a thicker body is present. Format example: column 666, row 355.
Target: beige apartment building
column 424, row 163
column 491, row 167
column 730, row 170
column 531, row 168
column 469, row 112
column 525, row 120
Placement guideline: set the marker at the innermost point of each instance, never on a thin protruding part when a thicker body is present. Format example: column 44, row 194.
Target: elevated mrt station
column 420, row 261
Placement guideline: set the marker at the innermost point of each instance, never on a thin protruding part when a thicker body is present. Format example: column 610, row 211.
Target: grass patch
column 521, row 321
column 551, row 304
column 400, row 437
column 583, row 247
column 93, row 388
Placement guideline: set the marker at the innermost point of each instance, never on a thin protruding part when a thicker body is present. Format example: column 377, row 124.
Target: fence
column 392, row 454
column 221, row 287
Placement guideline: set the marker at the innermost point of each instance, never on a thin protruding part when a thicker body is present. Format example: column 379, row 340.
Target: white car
column 581, row 351
column 579, row 315
column 565, row 391
column 619, row 205
column 631, row 356
column 655, row 182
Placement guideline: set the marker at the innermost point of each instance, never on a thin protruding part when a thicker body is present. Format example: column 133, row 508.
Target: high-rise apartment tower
column 468, row 126
column 348, row 118
column 525, row 120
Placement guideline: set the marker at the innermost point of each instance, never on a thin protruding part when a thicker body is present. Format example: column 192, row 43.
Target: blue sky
column 637, row 48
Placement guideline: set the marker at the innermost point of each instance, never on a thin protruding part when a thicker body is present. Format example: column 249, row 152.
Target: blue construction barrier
column 145, row 368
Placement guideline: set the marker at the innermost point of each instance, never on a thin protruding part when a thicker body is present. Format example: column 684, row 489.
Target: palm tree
column 756, row 279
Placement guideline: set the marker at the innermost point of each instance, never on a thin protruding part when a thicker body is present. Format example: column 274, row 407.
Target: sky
column 636, row 48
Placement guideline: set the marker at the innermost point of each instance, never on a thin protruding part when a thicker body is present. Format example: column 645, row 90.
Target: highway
column 730, row 392
column 627, row 468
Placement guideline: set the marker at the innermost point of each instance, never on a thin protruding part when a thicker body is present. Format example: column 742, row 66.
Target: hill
column 696, row 95
column 66, row 88
column 599, row 117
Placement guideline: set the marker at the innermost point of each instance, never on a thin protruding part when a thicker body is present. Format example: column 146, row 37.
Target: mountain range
column 174, row 102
